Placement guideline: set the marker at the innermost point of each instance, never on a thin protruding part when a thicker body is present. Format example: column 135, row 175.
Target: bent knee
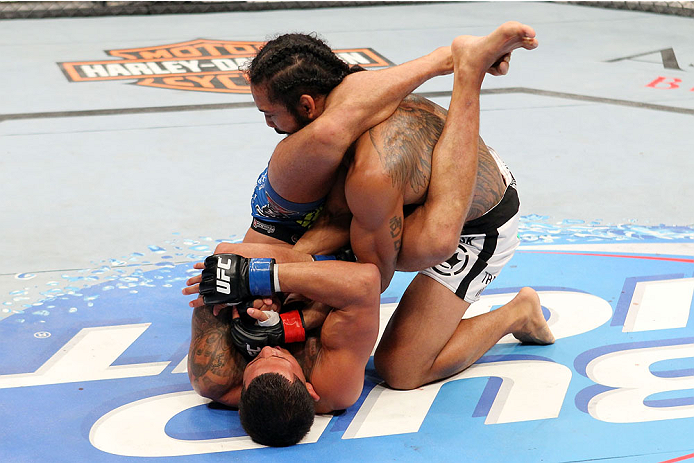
column 397, row 374
column 399, row 380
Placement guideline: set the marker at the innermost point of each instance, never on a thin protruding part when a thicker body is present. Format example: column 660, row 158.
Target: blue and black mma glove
column 277, row 330
column 231, row 279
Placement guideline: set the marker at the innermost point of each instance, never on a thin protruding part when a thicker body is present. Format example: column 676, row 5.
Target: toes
column 502, row 68
column 529, row 43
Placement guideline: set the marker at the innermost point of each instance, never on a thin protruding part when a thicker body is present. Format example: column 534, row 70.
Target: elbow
column 331, row 133
column 208, row 389
column 199, row 385
column 367, row 284
column 428, row 248
column 442, row 247
column 204, row 384
column 431, row 252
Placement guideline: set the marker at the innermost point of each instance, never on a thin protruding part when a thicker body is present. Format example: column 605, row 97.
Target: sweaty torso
column 405, row 143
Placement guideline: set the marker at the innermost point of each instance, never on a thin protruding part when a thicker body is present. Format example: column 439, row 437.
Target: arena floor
column 105, row 171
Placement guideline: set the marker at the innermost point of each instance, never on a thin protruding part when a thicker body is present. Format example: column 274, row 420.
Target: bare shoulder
column 405, row 142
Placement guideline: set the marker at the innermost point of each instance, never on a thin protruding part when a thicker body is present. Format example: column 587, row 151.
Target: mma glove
column 231, row 279
column 277, row 330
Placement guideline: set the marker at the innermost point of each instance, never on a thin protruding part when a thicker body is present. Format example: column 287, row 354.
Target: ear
column 312, row 391
column 308, row 106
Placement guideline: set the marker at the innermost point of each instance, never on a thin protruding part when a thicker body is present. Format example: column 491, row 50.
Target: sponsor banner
column 97, row 371
column 198, row 65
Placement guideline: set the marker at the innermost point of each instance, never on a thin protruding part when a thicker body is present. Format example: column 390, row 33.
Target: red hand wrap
column 293, row 326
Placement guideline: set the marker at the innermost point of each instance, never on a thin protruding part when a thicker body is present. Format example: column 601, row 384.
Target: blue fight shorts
column 278, row 218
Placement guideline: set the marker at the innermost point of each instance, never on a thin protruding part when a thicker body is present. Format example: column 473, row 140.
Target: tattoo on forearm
column 405, row 144
column 213, row 363
column 395, row 224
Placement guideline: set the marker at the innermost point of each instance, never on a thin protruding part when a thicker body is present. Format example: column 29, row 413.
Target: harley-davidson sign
column 200, row 65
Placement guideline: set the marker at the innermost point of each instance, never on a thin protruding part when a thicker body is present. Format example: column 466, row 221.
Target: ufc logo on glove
column 222, row 278
column 231, row 279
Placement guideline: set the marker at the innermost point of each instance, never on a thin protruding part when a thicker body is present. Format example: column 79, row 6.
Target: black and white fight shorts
column 486, row 245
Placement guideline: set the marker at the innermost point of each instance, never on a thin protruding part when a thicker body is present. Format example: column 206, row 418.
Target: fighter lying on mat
column 326, row 343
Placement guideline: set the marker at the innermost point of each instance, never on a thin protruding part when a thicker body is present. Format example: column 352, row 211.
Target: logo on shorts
column 263, row 226
column 199, row 65
column 455, row 264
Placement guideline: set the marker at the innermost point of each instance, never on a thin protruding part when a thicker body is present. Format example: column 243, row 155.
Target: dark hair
column 275, row 411
column 292, row 65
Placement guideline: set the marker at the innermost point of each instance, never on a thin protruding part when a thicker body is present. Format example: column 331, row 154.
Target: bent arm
column 361, row 101
column 350, row 330
column 215, row 369
column 432, row 231
column 377, row 223
column 460, row 151
column 365, row 99
column 438, row 222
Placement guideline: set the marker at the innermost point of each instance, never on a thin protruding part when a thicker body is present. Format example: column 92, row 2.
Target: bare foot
column 492, row 52
column 535, row 330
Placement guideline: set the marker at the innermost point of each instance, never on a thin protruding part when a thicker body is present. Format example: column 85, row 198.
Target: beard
column 300, row 120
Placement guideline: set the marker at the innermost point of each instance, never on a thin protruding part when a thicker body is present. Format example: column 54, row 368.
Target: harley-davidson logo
column 201, row 65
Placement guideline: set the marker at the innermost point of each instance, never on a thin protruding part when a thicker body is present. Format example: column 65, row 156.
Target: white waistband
column 503, row 168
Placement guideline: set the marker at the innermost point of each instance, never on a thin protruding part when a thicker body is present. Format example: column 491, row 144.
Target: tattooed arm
column 376, row 204
column 400, row 150
column 453, row 179
column 402, row 161
column 215, row 368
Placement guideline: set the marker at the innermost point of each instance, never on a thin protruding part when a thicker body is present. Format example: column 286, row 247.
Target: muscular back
column 404, row 144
